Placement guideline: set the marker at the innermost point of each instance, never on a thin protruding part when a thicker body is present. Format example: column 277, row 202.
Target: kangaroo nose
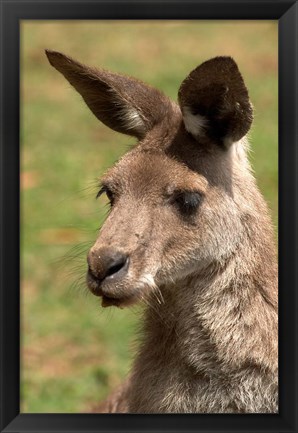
column 107, row 263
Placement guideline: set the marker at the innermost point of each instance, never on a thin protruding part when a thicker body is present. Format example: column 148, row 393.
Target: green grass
column 73, row 351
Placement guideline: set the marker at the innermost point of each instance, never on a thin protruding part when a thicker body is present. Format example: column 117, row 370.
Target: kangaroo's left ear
column 215, row 102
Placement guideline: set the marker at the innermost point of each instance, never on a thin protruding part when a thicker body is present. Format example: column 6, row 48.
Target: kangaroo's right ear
column 122, row 103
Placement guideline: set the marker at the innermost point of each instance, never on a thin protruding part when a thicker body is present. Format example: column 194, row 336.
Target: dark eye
column 105, row 190
column 188, row 201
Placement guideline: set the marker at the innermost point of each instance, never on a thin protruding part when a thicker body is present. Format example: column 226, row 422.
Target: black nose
column 107, row 263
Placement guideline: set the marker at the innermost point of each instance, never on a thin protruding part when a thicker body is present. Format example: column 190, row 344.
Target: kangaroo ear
column 122, row 103
column 215, row 103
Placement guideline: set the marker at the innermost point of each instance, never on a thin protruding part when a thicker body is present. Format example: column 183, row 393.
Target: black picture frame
column 286, row 12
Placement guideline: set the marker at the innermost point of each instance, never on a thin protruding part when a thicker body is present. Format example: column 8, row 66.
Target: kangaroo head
column 179, row 196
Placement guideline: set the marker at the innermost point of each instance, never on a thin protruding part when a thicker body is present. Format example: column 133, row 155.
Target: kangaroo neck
column 217, row 320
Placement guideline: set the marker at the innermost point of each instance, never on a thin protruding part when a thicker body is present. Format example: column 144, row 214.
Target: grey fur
column 209, row 342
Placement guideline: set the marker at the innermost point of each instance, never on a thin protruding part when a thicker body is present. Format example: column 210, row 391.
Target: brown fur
column 188, row 215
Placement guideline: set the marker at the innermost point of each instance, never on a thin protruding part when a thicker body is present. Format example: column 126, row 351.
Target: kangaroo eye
column 105, row 190
column 188, row 201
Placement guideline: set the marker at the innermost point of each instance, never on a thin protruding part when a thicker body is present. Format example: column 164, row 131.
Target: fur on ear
column 123, row 103
column 214, row 102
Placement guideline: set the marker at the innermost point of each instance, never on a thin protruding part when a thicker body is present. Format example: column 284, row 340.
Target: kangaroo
column 189, row 234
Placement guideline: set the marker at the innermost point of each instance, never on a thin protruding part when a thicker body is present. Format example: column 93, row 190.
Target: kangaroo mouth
column 107, row 293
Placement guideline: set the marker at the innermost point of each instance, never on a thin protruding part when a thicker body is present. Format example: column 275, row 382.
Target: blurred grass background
column 73, row 351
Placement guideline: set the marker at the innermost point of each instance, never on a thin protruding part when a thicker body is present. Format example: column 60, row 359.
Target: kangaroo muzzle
column 106, row 268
